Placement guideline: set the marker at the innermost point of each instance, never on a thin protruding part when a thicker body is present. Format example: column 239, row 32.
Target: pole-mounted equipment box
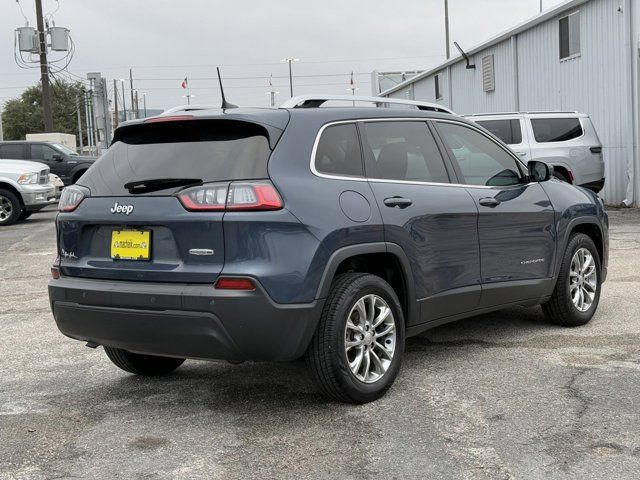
column 59, row 39
column 28, row 39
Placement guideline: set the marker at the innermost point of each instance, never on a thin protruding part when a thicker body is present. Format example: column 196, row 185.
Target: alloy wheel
column 583, row 279
column 370, row 338
column 6, row 208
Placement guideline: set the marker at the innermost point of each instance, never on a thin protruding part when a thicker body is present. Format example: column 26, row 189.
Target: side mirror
column 539, row 171
column 57, row 157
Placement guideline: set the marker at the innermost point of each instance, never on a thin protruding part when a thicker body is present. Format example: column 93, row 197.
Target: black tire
column 10, row 208
column 326, row 356
column 148, row 365
column 24, row 215
column 560, row 309
column 560, row 176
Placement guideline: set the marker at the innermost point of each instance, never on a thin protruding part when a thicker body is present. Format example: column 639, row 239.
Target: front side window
column 556, row 129
column 569, row 27
column 508, row 131
column 481, row 160
column 403, row 151
column 338, row 151
column 42, row 152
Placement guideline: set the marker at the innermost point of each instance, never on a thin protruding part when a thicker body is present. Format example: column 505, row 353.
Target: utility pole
column 540, row 6
column 44, row 70
column 115, row 101
column 289, row 60
column 446, row 27
column 137, row 105
column 86, row 115
column 124, row 102
column 134, row 112
column 144, row 103
column 79, row 124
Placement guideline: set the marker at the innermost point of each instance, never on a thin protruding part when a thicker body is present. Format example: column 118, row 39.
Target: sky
column 165, row 41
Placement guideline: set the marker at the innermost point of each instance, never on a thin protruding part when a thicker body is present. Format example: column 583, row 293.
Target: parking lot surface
column 498, row 396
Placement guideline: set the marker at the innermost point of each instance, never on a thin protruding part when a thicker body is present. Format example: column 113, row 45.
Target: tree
column 24, row 114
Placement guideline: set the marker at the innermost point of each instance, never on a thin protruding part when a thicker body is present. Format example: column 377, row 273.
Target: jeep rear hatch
column 135, row 223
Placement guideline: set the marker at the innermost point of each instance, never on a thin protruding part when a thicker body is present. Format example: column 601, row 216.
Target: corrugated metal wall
column 594, row 83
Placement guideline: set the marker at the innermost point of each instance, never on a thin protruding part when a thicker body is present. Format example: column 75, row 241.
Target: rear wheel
column 139, row 364
column 577, row 292
column 10, row 208
column 356, row 352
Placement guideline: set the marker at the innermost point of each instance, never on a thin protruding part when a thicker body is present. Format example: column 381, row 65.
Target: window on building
column 403, row 151
column 509, row 131
column 569, row 35
column 338, row 151
column 481, row 160
column 438, row 87
column 488, row 83
column 556, row 129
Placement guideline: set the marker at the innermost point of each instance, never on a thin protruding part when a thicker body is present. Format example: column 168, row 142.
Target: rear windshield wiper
column 155, row 184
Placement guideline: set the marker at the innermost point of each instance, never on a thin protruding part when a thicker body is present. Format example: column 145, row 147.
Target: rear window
column 210, row 150
column 556, row 129
column 506, row 130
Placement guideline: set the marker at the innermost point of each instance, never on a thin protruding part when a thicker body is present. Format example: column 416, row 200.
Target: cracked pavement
column 499, row 396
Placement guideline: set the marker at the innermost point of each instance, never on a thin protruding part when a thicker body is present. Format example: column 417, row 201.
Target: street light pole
column 44, row 70
column 446, row 27
column 290, row 60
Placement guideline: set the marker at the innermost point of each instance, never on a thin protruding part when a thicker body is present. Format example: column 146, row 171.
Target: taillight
column 236, row 196
column 71, row 197
column 235, row 283
column 55, row 273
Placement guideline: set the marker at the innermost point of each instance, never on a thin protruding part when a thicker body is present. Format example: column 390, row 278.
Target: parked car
column 61, row 160
column 565, row 140
column 329, row 233
column 24, row 189
column 57, row 184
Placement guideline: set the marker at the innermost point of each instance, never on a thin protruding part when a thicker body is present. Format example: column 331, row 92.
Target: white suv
column 566, row 140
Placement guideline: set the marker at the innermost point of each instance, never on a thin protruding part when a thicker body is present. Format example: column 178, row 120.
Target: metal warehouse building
column 580, row 55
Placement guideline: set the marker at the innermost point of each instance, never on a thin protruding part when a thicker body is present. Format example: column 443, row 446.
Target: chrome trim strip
column 312, row 165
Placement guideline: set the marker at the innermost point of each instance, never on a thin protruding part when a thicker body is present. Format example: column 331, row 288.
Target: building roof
column 521, row 27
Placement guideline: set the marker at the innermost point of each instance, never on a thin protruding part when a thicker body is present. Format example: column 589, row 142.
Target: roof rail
column 314, row 101
column 539, row 112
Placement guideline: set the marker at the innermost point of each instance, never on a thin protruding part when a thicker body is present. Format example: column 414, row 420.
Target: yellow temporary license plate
column 131, row 244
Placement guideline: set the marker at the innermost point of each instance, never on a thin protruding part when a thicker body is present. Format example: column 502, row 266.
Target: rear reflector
column 55, row 273
column 172, row 118
column 236, row 196
column 231, row 283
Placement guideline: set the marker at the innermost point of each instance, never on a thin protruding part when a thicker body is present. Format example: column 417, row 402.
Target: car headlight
column 28, row 178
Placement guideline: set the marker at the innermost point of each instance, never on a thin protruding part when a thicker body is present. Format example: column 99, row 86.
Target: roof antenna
column 466, row 57
column 225, row 104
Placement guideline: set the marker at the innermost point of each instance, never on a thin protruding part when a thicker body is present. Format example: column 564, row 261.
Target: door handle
column 397, row 202
column 522, row 154
column 489, row 202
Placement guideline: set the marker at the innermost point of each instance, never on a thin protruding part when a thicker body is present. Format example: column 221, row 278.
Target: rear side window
column 506, row 130
column 338, row 151
column 403, row 151
column 210, row 150
column 13, row 152
column 556, row 129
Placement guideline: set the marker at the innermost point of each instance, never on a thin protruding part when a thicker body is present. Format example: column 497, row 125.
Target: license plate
column 131, row 244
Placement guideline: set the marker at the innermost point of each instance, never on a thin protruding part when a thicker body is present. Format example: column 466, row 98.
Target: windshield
column 207, row 150
column 65, row 149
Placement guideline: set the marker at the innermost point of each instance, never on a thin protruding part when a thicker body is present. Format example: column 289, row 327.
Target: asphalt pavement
column 499, row 396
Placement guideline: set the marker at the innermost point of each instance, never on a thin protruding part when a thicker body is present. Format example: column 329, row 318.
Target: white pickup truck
column 24, row 189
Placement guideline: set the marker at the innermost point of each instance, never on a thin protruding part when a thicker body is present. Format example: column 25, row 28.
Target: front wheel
column 357, row 349
column 577, row 292
column 10, row 208
column 139, row 364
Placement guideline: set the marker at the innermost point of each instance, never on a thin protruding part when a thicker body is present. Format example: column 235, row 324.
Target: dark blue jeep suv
column 331, row 233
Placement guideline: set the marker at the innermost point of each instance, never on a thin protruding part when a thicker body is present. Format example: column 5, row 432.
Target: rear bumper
column 182, row 320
